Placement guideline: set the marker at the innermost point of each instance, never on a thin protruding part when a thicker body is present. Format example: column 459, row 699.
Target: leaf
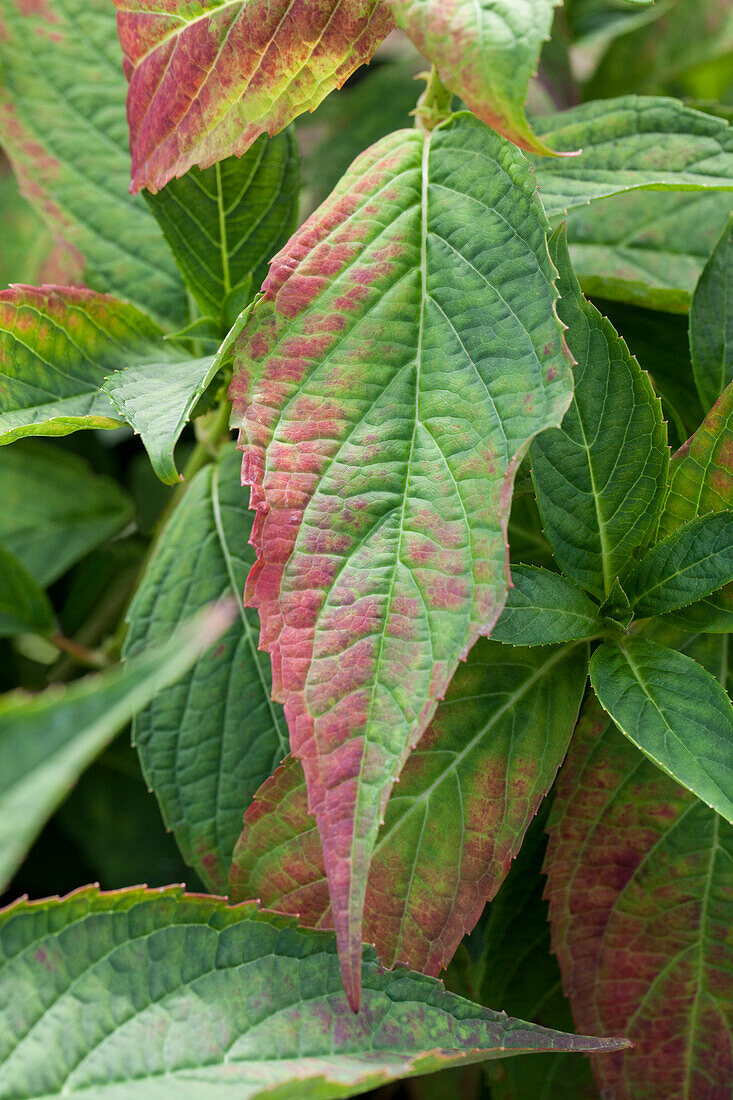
column 544, row 608
column 694, row 561
column 225, row 223
column 208, row 77
column 600, row 478
column 63, row 125
column 632, row 142
column 713, row 615
column 486, row 51
column 47, row 740
column 57, row 345
column 23, row 605
column 382, row 507
column 212, row 1001
column 639, row 885
column 207, row 742
column 454, row 823
column 55, row 509
column 674, row 711
column 646, row 248
column 711, row 323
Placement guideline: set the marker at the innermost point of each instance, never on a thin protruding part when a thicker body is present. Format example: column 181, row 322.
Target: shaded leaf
column 218, row 1002
column 486, row 51
column 453, row 824
column 711, row 323
column 629, row 143
column 544, row 608
column 600, row 479
column 381, row 508
column 713, row 615
column 57, row 345
column 225, row 223
column 55, row 508
column 23, row 605
column 207, row 78
column 674, row 711
column 692, row 562
column 207, row 742
column 47, row 740
column 640, row 882
column 63, row 125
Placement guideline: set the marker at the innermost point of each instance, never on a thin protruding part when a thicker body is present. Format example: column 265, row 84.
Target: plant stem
column 79, row 653
column 435, row 104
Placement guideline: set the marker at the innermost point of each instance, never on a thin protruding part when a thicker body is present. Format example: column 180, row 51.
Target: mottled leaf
column 544, row 608
column 711, row 323
column 62, row 123
column 631, row 143
column 645, row 248
column 207, row 742
column 486, row 51
column 600, row 479
column 674, row 711
column 47, row 740
column 640, row 884
column 453, row 824
column 382, row 468
column 55, row 509
column 692, row 562
column 57, row 345
column 225, row 223
column 23, row 605
column 207, row 77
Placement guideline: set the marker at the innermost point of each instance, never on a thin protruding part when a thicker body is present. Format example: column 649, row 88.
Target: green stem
column 435, row 105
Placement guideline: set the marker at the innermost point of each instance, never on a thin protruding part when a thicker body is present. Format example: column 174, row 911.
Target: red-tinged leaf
column 640, row 885
column 207, row 77
column 386, row 394
column 453, row 825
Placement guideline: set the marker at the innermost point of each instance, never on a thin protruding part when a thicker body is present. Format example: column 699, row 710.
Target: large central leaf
column 404, row 355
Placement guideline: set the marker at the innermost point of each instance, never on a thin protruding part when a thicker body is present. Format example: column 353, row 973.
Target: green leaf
column 544, row 608
column 381, row 507
column 455, row 822
column 224, row 224
column 486, row 51
column 600, row 479
column 57, row 345
column 24, row 607
column 646, row 249
column 631, row 143
column 616, row 608
column 711, row 322
column 674, row 711
column 694, row 561
column 63, row 125
column 55, row 509
column 713, row 615
column 212, row 1002
column 209, row 741
column 47, row 740
column 640, row 881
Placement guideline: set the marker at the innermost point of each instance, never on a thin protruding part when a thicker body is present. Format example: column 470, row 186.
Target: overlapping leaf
column 57, row 346
column 207, row 742
column 600, row 479
column 632, row 143
column 453, row 824
column 24, row 606
column 486, row 51
column 47, row 740
column 382, row 467
column 711, row 323
column 640, row 884
column 62, row 123
column 225, row 223
column 208, row 77
column 544, row 608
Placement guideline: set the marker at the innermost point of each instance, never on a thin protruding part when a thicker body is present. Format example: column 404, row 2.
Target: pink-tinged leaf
column 640, row 885
column 486, row 51
column 386, row 393
column 207, row 77
column 454, row 823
